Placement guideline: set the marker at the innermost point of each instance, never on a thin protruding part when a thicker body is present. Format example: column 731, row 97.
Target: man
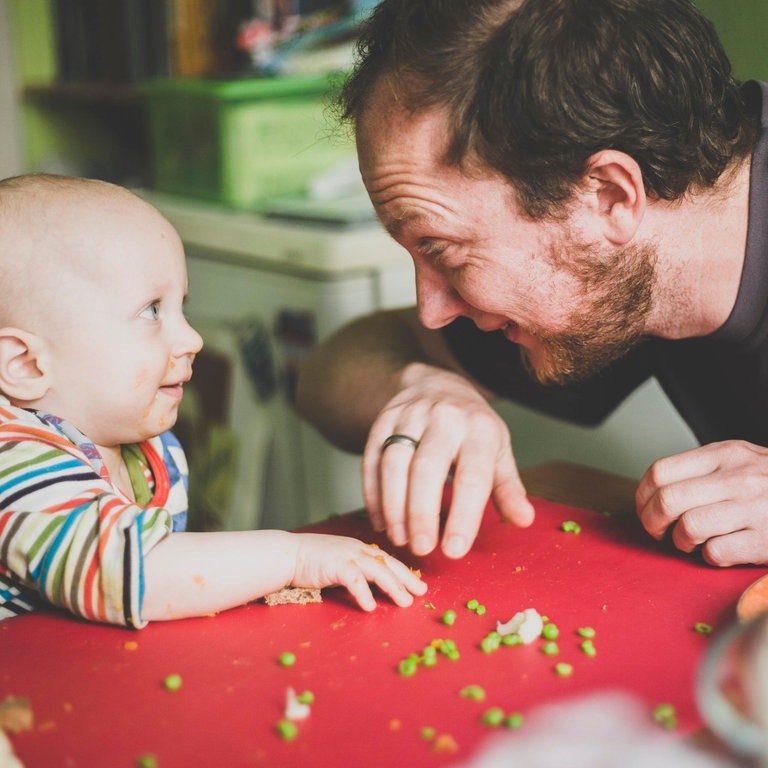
column 582, row 187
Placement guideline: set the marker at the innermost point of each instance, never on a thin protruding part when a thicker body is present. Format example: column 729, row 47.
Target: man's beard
column 617, row 298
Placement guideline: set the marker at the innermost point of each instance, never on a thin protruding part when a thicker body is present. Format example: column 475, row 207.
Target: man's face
column 571, row 305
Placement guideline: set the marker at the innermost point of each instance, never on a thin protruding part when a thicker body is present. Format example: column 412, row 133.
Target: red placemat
column 98, row 696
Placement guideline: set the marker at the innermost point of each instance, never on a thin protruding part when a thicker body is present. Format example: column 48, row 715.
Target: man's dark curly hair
column 535, row 87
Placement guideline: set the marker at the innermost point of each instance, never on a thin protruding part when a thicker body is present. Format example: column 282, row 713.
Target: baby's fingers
column 390, row 575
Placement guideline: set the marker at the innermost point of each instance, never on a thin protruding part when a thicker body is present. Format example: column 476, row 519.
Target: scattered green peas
column 474, row 692
column 448, row 647
column 146, row 761
column 287, row 659
column 550, row 648
column 665, row 714
column 564, row 669
column 588, row 647
column 449, row 618
column 570, row 526
column 550, row 631
column 702, row 628
column 287, row 730
column 172, row 682
column 513, row 721
column 476, row 606
column 493, row 716
column 587, row 632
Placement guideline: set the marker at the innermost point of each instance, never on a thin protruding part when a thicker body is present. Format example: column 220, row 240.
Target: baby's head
column 92, row 329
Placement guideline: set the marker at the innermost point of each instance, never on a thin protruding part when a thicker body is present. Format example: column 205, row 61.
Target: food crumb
column 445, row 743
column 130, row 645
column 528, row 624
column 297, row 707
column 395, row 724
column 16, row 714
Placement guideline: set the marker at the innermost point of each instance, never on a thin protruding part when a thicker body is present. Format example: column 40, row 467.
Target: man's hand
column 456, row 431
column 715, row 497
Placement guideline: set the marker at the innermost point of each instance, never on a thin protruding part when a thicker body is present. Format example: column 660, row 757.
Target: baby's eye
column 152, row 312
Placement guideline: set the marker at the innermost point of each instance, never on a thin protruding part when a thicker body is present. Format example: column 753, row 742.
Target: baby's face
column 118, row 348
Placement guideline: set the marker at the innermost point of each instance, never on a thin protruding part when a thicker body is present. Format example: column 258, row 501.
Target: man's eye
column 152, row 312
column 431, row 248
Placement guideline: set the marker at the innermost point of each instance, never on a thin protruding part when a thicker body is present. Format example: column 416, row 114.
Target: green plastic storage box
column 242, row 142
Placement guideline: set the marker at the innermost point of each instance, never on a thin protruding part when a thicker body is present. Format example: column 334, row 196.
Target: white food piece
column 295, row 709
column 8, row 757
column 528, row 624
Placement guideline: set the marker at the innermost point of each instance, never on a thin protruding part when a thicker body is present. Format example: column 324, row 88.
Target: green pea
column 550, row 631
column 702, row 628
column 472, row 604
column 287, row 659
column 287, row 730
column 449, row 618
column 449, row 646
column 490, row 643
column 493, row 716
column 427, row 733
column 306, row 697
column 407, row 667
column 665, row 714
column 474, row 692
column 570, row 526
column 513, row 721
column 588, row 647
column 146, row 761
column 480, row 610
column 172, row 682
column 564, row 669
column 512, row 639
column 586, row 632
column 550, row 648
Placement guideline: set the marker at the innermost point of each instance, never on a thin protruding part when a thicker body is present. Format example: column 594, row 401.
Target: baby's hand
column 323, row 560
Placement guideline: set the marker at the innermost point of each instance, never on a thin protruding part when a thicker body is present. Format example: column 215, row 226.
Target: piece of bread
column 15, row 714
column 294, row 595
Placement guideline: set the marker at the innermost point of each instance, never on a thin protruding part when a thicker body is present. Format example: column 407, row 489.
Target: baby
column 94, row 354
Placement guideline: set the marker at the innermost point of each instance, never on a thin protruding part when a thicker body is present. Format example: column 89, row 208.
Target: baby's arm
column 191, row 574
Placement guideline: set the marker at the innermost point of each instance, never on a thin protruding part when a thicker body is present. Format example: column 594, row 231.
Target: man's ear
column 22, row 375
column 616, row 181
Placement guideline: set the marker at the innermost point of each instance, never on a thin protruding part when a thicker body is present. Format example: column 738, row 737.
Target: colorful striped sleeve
column 66, row 535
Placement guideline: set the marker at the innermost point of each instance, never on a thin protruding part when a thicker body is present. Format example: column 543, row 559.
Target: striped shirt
column 70, row 538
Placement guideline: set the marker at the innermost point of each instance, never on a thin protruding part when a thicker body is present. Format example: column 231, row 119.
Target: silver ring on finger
column 398, row 438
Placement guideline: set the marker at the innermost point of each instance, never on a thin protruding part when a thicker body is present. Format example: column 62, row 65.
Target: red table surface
column 100, row 703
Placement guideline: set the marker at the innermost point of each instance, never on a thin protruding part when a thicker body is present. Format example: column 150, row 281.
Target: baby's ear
column 22, row 378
